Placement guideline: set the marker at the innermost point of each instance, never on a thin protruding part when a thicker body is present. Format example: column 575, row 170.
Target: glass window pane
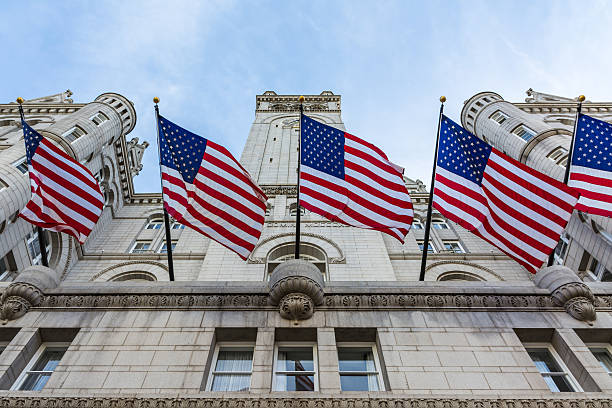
column 234, row 360
column 35, row 382
column 295, row 359
column 604, row 359
column 356, row 359
column 294, row 382
column 558, row 383
column 544, row 360
column 231, row 382
column 49, row 359
column 359, row 382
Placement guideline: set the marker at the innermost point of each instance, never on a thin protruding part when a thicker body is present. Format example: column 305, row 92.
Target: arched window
column 155, row 223
column 293, row 210
column 308, row 252
column 136, row 276
column 459, row 276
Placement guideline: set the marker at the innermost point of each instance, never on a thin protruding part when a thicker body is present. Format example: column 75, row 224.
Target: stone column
column 329, row 378
column 263, row 359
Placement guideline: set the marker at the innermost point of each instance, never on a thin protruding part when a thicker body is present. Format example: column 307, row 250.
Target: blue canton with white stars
column 180, row 149
column 593, row 144
column 462, row 153
column 32, row 138
column 322, row 147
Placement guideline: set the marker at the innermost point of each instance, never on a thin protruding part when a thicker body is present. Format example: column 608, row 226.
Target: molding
column 332, row 260
column 299, row 400
column 129, row 263
column 343, row 301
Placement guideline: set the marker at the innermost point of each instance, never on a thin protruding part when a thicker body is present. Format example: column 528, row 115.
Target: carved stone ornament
column 296, row 286
column 568, row 292
column 18, row 298
column 227, row 400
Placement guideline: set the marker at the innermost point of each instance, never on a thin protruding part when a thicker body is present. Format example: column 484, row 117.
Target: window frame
column 33, row 236
column 155, row 221
column 315, row 362
column 22, row 162
column 140, row 251
column 599, row 271
column 97, row 115
column 417, row 222
column 503, row 116
column 377, row 366
column 557, row 358
column 173, row 243
column 527, row 130
column 177, row 226
column 71, row 136
column 564, row 241
column 438, row 221
column 35, row 358
column 605, row 346
column 422, row 243
column 239, row 345
column 462, row 249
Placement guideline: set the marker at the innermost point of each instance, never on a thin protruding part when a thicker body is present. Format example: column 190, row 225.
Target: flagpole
column 431, row 192
column 299, row 212
column 42, row 241
column 581, row 98
column 166, row 217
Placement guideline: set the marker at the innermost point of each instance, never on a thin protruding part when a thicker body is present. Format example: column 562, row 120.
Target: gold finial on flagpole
column 301, row 98
column 155, row 99
column 20, row 100
column 581, row 98
column 443, row 99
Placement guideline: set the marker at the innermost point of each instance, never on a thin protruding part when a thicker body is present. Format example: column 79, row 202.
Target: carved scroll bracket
column 568, row 291
column 26, row 291
column 296, row 286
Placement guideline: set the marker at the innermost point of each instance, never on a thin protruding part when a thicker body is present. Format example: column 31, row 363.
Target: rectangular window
column 439, row 224
column 41, row 366
column 499, row 117
column 231, row 368
column 164, row 249
column 295, row 368
column 524, row 132
column 602, row 354
column 22, row 165
column 155, row 223
column 177, row 225
column 561, row 249
column 557, row 153
column 73, row 133
column 598, row 271
column 552, row 369
column 416, row 224
column 3, row 185
column 430, row 247
column 453, row 246
column 140, row 247
column 34, row 246
column 359, row 368
column 99, row 118
column 5, row 268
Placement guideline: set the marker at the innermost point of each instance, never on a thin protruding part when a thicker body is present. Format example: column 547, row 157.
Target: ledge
column 301, row 400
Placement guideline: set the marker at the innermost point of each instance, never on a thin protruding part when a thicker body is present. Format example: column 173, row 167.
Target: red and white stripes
column 222, row 203
column 65, row 195
column 517, row 209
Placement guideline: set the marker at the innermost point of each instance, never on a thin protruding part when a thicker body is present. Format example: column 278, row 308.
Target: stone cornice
column 271, row 102
column 40, row 108
column 564, row 107
column 299, row 400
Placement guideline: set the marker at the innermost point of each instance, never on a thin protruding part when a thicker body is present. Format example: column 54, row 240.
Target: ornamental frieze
column 326, row 401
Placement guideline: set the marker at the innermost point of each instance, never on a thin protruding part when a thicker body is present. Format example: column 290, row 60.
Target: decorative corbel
column 568, row 291
column 26, row 291
column 296, row 287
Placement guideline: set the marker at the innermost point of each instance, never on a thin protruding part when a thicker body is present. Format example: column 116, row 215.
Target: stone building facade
column 348, row 325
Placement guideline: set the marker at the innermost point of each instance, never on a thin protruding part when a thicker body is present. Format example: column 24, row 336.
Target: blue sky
column 390, row 60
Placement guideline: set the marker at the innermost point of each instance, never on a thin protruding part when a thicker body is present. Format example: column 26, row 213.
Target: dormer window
column 99, row 118
column 499, row 117
column 524, row 132
column 74, row 133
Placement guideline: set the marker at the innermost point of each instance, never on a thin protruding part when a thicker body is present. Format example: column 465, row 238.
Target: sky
column 390, row 61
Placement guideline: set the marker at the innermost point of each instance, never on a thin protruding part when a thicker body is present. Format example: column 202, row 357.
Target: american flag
column 65, row 195
column 206, row 189
column 591, row 170
column 517, row 209
column 348, row 180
